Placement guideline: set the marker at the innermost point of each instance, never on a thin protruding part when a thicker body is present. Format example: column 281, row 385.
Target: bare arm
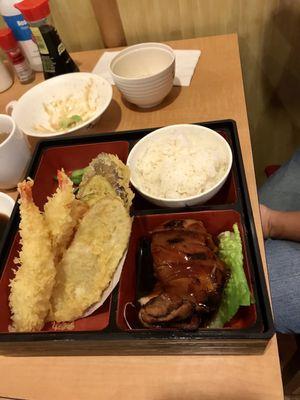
column 280, row 224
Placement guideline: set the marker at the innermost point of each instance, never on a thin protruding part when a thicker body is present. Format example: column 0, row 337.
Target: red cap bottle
column 11, row 47
column 7, row 39
column 55, row 58
column 34, row 10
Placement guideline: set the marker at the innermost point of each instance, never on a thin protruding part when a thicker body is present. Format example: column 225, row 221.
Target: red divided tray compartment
column 216, row 221
column 97, row 321
column 69, row 158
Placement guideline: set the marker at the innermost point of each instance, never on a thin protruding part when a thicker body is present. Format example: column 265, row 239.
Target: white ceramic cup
column 6, row 204
column 14, row 153
column 144, row 73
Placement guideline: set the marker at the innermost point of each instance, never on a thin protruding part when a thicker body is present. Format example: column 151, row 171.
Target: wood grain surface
column 216, row 92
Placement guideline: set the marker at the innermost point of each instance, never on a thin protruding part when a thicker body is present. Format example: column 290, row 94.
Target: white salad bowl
column 144, row 73
column 138, row 150
column 30, row 113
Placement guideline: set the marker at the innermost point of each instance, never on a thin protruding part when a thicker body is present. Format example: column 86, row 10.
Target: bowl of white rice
column 180, row 165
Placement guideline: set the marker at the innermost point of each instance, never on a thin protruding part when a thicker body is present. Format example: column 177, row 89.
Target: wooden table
column 216, row 92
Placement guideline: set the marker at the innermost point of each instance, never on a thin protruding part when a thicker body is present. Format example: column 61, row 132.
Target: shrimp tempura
column 61, row 215
column 32, row 285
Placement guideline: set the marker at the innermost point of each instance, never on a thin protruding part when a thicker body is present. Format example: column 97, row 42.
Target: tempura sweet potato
column 89, row 263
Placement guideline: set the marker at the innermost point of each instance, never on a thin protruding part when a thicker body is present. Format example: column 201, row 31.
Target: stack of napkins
column 185, row 64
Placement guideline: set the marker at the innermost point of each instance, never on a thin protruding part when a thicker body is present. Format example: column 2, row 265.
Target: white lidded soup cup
column 144, row 73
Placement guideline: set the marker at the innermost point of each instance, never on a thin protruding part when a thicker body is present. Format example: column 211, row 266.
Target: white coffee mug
column 14, row 153
column 6, row 204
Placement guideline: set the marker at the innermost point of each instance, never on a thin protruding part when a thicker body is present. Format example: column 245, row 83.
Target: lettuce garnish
column 236, row 292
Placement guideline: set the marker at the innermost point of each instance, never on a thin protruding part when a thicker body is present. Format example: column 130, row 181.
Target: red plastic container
column 216, row 221
column 69, row 158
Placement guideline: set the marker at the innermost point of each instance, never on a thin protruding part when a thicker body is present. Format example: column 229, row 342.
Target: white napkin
column 186, row 61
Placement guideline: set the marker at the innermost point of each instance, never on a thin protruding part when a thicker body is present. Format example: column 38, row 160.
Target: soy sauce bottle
column 55, row 58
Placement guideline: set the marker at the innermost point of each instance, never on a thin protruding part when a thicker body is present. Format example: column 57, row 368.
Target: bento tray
column 114, row 328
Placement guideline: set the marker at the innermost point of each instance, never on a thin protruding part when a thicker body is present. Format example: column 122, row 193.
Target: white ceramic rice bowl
column 188, row 201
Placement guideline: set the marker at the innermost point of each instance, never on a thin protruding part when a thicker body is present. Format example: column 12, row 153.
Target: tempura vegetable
column 88, row 265
column 32, row 285
column 106, row 175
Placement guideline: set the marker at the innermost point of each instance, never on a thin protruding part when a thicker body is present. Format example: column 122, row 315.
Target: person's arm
column 280, row 224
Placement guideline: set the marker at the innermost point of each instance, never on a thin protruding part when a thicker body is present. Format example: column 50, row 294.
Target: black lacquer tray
column 114, row 328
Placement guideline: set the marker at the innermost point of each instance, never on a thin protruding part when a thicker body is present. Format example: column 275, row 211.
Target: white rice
column 177, row 165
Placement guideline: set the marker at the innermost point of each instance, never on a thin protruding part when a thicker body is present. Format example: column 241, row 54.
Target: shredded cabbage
column 70, row 111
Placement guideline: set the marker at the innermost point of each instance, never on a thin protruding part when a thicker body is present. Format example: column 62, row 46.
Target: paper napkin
column 185, row 64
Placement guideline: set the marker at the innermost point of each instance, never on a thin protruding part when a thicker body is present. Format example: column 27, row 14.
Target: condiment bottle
column 55, row 58
column 5, row 78
column 21, row 66
column 22, row 32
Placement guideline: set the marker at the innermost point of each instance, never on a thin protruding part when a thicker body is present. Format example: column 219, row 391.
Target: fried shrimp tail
column 31, row 288
column 25, row 191
column 61, row 215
